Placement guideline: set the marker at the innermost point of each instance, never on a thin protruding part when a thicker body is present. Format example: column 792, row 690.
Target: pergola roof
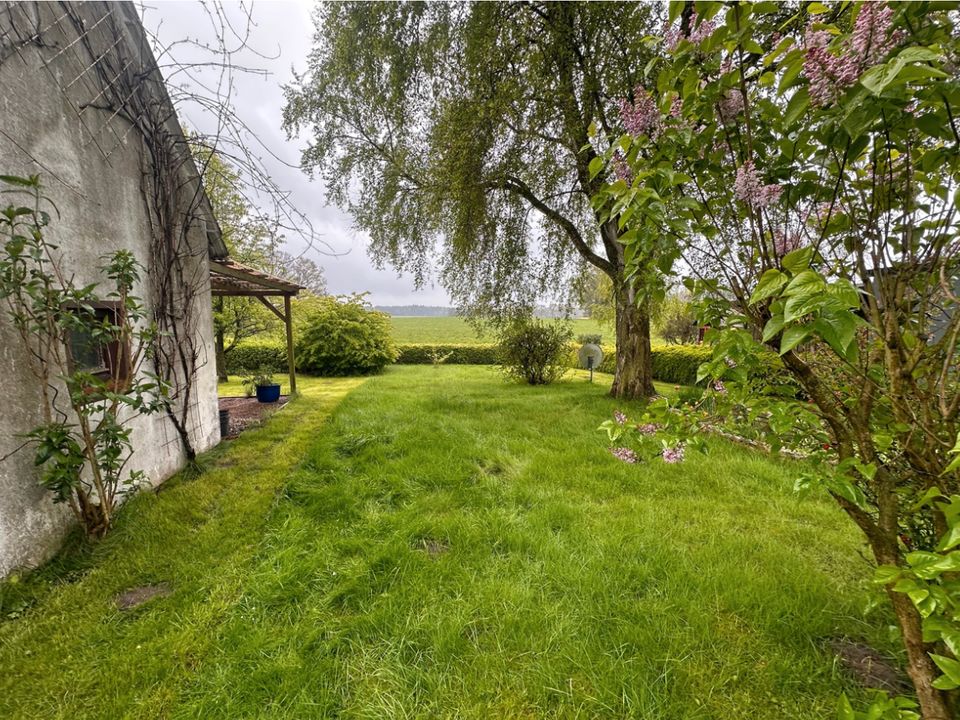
column 228, row 278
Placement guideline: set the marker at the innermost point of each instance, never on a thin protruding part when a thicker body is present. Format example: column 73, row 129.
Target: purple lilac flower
column 625, row 454
column 784, row 243
column 676, row 108
column 619, row 417
column 621, row 168
column 673, row 455
column 642, row 116
column 747, row 188
column 872, row 39
column 702, row 31
column 648, row 429
column 719, row 387
column 698, row 33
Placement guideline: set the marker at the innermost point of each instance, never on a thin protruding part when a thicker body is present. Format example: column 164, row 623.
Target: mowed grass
column 456, row 330
column 448, row 545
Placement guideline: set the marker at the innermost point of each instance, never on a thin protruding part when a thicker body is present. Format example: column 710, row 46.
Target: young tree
column 811, row 181
column 249, row 240
column 463, row 129
column 299, row 269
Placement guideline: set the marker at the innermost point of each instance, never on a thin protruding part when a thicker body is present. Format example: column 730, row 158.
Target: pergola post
column 231, row 279
column 291, row 365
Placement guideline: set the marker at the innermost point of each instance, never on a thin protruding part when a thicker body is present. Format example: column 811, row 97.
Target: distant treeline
column 417, row 310
column 438, row 311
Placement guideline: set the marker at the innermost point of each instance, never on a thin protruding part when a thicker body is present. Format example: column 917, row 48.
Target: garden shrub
column 345, row 336
column 676, row 321
column 534, row 351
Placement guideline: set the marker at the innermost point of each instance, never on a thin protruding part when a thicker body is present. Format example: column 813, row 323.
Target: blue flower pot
column 268, row 393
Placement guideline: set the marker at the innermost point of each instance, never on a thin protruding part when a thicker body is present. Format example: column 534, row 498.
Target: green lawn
column 447, row 545
column 457, row 330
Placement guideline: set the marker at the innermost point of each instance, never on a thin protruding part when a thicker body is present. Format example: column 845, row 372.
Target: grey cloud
column 284, row 29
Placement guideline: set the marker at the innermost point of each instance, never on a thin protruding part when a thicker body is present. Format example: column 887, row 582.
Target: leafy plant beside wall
column 86, row 351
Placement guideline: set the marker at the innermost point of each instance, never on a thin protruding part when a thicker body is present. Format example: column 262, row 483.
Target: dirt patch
column 870, row 668
column 139, row 595
column 248, row 412
column 432, row 546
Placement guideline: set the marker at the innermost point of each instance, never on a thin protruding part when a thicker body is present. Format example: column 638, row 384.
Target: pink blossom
column 676, row 107
column 871, row 39
column 673, row 455
column 698, row 33
column 621, row 169
column 785, row 243
column 701, row 31
column 830, row 74
column 719, row 387
column 768, row 195
column 625, row 454
column 648, row 429
column 619, row 417
column 642, row 116
column 748, row 189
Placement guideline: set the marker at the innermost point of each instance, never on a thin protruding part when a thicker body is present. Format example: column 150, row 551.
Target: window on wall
column 90, row 352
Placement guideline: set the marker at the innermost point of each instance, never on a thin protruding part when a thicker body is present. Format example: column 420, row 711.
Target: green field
column 456, row 330
column 438, row 543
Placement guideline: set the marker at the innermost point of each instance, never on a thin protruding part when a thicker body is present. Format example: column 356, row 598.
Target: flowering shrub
column 808, row 175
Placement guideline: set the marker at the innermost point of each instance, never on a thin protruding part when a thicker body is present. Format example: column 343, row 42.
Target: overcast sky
column 283, row 33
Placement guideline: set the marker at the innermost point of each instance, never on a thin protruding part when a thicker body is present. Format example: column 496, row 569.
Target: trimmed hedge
column 253, row 356
column 678, row 363
column 671, row 363
column 419, row 354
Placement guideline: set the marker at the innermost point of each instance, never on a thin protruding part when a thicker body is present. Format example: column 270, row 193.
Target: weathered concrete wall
column 90, row 165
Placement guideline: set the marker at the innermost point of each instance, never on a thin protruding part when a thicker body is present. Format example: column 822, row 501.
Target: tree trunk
column 634, row 374
column 934, row 704
column 221, row 356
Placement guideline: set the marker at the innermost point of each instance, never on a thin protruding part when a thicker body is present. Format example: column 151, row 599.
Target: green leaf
column 797, row 260
column 792, row 337
column 817, row 8
column 949, row 666
column 806, row 284
column 774, row 325
column 770, row 284
column 844, row 709
column 798, row 105
column 950, row 539
column 955, row 463
column 596, row 166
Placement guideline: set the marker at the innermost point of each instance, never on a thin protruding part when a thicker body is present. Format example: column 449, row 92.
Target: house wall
column 90, row 166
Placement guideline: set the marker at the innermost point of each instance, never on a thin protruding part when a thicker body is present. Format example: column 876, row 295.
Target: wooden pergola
column 229, row 278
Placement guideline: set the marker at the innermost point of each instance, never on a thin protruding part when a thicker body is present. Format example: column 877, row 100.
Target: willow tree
column 458, row 136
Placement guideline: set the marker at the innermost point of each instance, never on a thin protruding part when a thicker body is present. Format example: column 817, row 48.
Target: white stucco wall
column 91, row 170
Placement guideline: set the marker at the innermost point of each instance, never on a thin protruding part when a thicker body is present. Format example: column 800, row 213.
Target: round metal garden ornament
column 590, row 357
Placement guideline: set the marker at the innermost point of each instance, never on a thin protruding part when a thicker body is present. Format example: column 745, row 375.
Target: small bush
column 676, row 321
column 345, row 336
column 589, row 339
column 534, row 352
